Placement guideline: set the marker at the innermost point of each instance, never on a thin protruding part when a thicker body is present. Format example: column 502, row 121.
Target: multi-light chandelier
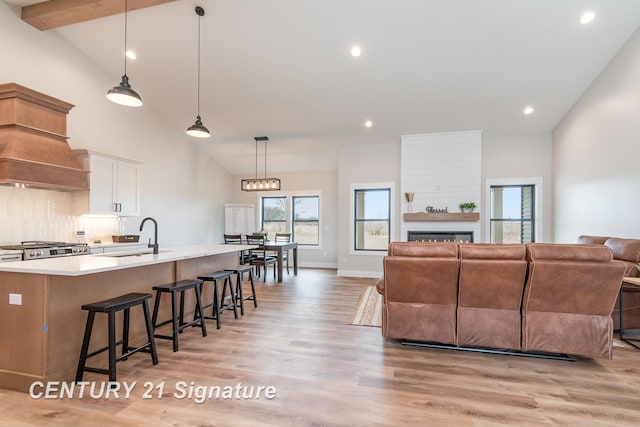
column 261, row 184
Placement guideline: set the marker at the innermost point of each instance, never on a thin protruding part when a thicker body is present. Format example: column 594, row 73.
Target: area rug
column 618, row 343
column 368, row 309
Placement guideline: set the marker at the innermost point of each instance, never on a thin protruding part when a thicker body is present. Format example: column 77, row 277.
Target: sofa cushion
column 568, row 252
column 491, row 251
column 624, row 249
column 491, row 283
column 592, row 240
column 420, row 291
column 424, row 249
column 568, row 299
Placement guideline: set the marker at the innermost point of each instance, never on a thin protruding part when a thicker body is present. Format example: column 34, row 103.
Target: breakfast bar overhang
column 41, row 337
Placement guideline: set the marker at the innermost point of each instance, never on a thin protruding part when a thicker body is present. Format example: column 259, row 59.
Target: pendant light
column 123, row 94
column 197, row 129
column 261, row 184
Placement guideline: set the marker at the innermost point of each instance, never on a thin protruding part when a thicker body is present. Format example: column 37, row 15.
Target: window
column 512, row 213
column 297, row 214
column 372, row 219
column 274, row 215
column 306, row 220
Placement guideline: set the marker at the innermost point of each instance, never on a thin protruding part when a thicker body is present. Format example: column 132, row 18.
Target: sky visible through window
column 376, row 204
column 306, row 208
column 511, row 204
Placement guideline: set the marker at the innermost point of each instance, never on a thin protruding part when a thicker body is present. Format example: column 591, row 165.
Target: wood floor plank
column 328, row 373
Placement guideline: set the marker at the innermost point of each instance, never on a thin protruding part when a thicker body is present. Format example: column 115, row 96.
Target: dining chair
column 233, row 239
column 259, row 257
column 236, row 239
column 286, row 238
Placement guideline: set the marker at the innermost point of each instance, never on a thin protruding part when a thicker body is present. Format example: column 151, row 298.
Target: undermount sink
column 130, row 254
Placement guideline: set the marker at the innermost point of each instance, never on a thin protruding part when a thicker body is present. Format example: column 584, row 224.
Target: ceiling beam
column 58, row 13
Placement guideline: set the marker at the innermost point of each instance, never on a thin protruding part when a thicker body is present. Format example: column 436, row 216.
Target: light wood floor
column 329, row 373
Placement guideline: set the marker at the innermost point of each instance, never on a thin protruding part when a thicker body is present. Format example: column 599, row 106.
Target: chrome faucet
column 155, row 234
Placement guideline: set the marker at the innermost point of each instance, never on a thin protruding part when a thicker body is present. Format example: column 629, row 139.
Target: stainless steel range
column 41, row 250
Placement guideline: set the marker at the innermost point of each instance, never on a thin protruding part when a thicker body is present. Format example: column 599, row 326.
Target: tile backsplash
column 30, row 214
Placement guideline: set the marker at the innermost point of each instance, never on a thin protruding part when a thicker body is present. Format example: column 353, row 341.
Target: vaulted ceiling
column 283, row 68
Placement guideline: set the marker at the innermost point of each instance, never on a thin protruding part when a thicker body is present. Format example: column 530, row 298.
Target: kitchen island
column 41, row 336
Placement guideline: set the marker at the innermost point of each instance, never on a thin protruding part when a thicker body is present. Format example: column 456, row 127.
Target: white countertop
column 114, row 245
column 97, row 263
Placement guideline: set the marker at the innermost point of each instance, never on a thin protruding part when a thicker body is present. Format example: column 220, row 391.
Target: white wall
column 517, row 156
column 381, row 163
column 442, row 170
column 596, row 148
column 183, row 188
column 364, row 164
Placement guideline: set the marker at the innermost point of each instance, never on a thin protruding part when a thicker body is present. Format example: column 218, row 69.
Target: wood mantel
column 423, row 216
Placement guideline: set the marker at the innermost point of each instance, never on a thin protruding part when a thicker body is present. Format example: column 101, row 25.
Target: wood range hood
column 34, row 151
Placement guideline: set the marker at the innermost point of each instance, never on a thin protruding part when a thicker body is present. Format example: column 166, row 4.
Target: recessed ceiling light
column 587, row 17
column 356, row 51
column 368, row 123
column 528, row 110
column 131, row 54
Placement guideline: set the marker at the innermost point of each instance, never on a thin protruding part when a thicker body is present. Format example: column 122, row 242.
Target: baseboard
column 363, row 274
column 328, row 265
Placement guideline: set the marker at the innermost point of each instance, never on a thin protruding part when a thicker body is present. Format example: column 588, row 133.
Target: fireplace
column 440, row 236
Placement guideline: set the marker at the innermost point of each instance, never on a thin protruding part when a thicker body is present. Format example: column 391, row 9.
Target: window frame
column 288, row 196
column 390, row 186
column 294, row 221
column 538, row 191
column 286, row 211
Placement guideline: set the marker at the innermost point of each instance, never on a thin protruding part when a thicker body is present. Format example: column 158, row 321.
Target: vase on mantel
column 409, row 197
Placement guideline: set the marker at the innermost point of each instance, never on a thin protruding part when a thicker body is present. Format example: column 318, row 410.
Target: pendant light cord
column 126, row 7
column 265, row 159
column 198, row 97
column 256, row 158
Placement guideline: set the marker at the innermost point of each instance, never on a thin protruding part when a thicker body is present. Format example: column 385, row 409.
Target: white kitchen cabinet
column 114, row 184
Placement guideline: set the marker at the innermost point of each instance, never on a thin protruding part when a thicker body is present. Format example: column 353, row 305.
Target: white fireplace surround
column 442, row 170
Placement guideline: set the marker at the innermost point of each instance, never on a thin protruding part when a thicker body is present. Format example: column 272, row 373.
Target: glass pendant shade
column 198, row 130
column 124, row 95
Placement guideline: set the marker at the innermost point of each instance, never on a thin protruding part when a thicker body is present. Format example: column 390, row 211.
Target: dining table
column 279, row 248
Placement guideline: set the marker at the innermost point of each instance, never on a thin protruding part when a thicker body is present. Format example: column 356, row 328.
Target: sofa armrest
column 380, row 285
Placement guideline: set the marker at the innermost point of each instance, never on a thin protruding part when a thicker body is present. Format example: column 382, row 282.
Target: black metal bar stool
column 240, row 297
column 218, row 303
column 111, row 306
column 177, row 317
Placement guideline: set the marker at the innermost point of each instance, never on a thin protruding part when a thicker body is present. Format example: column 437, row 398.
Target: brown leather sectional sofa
column 627, row 251
column 531, row 298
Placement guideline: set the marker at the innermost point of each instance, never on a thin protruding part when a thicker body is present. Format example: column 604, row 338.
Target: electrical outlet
column 15, row 299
